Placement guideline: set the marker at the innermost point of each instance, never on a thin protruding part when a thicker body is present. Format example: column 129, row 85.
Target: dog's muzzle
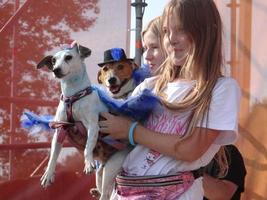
column 114, row 88
column 112, row 81
column 58, row 72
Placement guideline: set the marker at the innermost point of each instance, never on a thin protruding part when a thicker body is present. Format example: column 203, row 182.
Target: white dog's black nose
column 58, row 72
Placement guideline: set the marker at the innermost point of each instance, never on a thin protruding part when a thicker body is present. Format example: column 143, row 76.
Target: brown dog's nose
column 112, row 80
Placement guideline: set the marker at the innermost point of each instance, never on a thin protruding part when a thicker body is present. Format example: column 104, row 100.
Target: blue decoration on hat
column 116, row 54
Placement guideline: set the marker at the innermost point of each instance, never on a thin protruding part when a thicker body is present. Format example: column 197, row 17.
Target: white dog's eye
column 53, row 61
column 68, row 58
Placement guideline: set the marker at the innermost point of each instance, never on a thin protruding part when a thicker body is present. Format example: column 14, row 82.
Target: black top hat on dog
column 114, row 55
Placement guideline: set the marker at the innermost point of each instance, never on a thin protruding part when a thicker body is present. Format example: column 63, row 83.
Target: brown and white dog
column 116, row 73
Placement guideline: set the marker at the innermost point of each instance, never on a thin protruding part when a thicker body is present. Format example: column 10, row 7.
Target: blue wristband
column 131, row 133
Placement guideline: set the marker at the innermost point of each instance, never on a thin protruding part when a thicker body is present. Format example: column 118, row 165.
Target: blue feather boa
column 35, row 123
column 141, row 73
column 138, row 108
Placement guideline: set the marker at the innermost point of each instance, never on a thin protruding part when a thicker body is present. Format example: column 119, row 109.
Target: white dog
column 67, row 65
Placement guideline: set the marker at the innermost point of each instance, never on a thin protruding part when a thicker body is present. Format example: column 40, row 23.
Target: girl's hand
column 116, row 126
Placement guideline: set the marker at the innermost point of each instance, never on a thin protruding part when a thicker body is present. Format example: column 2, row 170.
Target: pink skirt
column 169, row 187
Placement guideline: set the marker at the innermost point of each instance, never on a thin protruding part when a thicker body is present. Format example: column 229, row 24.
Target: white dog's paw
column 89, row 167
column 89, row 162
column 47, row 179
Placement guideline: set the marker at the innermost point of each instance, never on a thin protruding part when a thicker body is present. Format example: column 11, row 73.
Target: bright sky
column 154, row 8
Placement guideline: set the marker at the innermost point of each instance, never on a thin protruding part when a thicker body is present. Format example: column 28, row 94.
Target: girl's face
column 175, row 41
column 153, row 53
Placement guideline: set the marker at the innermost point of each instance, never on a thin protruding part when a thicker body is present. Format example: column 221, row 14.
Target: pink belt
column 168, row 187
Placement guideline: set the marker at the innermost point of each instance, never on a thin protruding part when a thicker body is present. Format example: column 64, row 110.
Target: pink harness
column 74, row 130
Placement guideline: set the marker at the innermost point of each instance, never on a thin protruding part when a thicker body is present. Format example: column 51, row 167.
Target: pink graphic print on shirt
column 151, row 156
column 167, row 123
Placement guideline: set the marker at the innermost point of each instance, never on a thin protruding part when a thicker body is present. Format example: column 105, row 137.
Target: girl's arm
column 189, row 149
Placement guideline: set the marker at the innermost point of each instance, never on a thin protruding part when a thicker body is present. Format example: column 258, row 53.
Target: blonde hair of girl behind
column 201, row 21
column 221, row 158
column 155, row 26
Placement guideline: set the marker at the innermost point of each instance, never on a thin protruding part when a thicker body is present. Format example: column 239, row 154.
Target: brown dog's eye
column 120, row 67
column 105, row 68
column 68, row 58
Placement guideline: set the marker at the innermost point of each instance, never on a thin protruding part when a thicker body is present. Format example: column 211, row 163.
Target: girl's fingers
column 102, row 124
column 106, row 115
column 103, row 130
column 103, row 127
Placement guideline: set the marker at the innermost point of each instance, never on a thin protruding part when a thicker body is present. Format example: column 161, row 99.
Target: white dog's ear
column 46, row 61
column 84, row 51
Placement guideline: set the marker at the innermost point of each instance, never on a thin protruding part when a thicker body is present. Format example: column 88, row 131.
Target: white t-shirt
column 223, row 116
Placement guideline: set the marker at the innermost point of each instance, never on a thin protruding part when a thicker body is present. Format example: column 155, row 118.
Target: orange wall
column 245, row 31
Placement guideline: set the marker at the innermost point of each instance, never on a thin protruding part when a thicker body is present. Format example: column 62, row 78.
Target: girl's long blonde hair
column 201, row 21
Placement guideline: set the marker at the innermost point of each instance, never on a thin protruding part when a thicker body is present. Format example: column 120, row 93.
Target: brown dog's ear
column 47, row 61
column 99, row 77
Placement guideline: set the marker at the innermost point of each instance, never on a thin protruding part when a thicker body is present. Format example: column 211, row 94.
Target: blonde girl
column 154, row 53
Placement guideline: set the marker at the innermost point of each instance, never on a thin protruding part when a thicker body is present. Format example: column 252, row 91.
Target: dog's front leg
column 48, row 176
column 92, row 137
